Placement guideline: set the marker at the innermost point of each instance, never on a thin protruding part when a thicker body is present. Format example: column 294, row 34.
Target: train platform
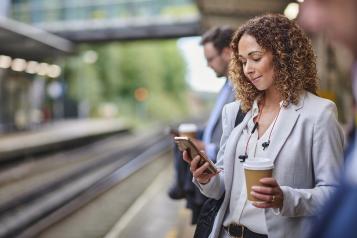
column 137, row 207
column 57, row 135
column 154, row 214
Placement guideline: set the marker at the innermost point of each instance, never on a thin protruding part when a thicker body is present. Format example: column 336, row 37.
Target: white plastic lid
column 258, row 164
column 187, row 128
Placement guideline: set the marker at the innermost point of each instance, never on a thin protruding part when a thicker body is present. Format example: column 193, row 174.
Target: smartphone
column 185, row 143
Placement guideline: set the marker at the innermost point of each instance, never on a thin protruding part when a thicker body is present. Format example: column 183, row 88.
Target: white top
column 240, row 210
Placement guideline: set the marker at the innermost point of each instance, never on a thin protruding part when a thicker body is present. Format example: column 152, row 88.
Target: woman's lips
column 256, row 79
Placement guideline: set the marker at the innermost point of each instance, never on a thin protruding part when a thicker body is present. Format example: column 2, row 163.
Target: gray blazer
column 307, row 154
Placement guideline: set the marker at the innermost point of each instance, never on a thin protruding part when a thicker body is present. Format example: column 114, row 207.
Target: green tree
column 122, row 68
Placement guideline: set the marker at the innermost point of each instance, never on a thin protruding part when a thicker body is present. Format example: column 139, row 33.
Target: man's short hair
column 220, row 37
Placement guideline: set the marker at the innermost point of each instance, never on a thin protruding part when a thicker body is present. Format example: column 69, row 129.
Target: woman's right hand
column 198, row 172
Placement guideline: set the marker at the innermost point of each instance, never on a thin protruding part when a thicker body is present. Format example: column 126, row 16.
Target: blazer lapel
column 288, row 117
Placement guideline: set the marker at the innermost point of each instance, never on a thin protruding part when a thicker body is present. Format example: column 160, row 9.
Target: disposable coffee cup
column 255, row 170
column 189, row 130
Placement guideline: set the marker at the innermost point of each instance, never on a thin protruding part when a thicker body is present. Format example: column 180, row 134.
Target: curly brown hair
column 294, row 61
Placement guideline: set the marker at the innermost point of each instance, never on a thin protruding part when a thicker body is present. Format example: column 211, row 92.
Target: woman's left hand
column 270, row 194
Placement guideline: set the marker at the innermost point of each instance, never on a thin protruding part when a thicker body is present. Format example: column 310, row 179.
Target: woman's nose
column 249, row 69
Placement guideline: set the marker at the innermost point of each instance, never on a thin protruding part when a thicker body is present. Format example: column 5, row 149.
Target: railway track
column 47, row 194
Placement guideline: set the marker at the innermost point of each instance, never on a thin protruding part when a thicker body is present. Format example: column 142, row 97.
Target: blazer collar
column 288, row 116
column 300, row 103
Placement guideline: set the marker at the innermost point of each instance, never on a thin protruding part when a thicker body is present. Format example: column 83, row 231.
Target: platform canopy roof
column 24, row 41
column 236, row 12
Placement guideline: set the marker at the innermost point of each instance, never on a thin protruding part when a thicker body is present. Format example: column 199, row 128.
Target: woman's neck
column 272, row 98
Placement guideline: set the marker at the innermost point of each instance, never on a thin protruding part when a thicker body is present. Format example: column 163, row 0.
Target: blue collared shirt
column 210, row 148
column 351, row 152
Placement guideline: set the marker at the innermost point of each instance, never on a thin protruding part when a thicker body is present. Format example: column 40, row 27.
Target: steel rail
column 27, row 215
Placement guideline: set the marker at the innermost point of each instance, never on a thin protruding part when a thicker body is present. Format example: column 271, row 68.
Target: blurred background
column 87, row 89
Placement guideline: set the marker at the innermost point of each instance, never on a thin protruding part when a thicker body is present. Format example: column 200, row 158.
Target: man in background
column 216, row 48
column 337, row 19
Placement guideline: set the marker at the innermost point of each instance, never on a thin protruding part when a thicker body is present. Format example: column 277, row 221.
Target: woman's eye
column 257, row 60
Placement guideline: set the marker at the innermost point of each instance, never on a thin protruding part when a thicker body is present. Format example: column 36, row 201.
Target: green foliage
column 83, row 81
column 178, row 11
column 122, row 68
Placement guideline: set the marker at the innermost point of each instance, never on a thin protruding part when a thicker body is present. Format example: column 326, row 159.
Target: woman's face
column 257, row 63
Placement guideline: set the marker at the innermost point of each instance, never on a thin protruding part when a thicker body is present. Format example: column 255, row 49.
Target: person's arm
column 327, row 159
column 215, row 187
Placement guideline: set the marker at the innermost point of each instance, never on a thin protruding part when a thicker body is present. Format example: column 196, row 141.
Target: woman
column 273, row 69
